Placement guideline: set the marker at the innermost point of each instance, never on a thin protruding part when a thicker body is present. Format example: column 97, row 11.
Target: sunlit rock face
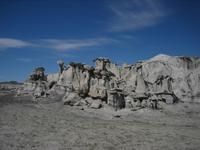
column 179, row 75
column 162, row 78
column 53, row 77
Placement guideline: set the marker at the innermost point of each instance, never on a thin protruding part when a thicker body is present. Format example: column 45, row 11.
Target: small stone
column 116, row 115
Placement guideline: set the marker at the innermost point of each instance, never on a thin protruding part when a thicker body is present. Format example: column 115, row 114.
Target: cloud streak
column 13, row 43
column 57, row 44
column 130, row 15
column 75, row 44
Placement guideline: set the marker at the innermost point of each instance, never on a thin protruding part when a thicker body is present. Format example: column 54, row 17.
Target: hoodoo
column 162, row 79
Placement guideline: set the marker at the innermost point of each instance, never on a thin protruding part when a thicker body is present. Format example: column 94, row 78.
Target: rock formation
column 36, row 83
column 144, row 84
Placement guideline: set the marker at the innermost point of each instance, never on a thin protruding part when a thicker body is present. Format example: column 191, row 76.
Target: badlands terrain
column 153, row 104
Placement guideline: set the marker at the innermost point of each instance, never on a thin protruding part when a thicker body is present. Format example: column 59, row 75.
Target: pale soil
column 50, row 125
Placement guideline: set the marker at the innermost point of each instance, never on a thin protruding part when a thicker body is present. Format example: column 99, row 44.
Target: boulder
column 82, row 102
column 96, row 104
column 88, row 101
column 71, row 98
column 168, row 98
column 144, row 103
column 129, row 101
column 59, row 90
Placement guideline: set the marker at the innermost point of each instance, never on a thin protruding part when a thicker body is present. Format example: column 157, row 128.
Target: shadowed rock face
column 144, row 84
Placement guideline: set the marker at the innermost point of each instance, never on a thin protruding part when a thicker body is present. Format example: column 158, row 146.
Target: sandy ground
column 50, row 125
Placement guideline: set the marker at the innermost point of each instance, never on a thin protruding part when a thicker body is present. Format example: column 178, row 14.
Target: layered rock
column 144, row 84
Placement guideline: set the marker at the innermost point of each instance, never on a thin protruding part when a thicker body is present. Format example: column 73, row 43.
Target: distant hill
column 10, row 82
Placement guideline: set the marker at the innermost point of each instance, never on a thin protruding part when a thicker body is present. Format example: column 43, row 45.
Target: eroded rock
column 144, row 84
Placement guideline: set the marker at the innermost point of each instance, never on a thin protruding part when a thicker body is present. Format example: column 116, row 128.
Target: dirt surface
column 50, row 125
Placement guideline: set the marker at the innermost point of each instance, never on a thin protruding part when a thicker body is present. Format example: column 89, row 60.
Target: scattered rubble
column 144, row 84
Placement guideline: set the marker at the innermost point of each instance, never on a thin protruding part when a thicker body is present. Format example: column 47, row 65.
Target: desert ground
column 49, row 125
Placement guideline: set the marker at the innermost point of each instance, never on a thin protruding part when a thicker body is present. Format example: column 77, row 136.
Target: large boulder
column 71, row 98
column 96, row 104
column 58, row 90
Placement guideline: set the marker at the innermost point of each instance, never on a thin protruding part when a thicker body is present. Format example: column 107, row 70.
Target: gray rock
column 40, row 89
column 116, row 99
column 166, row 77
column 88, row 100
column 140, row 85
column 96, row 104
column 144, row 103
column 129, row 102
column 71, row 99
column 168, row 99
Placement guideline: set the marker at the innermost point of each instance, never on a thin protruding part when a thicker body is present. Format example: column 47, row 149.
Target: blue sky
column 39, row 32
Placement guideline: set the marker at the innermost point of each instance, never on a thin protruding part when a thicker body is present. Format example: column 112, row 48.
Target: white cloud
column 57, row 44
column 60, row 55
column 13, row 43
column 131, row 15
column 75, row 44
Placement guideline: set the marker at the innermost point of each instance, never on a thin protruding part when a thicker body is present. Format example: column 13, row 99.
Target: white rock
column 71, row 98
column 96, row 104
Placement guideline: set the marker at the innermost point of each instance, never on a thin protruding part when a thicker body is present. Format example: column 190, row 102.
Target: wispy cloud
column 129, row 15
column 57, row 44
column 128, row 37
column 62, row 55
column 75, row 44
column 13, row 43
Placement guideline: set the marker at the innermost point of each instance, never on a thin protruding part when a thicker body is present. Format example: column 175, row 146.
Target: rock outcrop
column 144, row 84
column 37, row 83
